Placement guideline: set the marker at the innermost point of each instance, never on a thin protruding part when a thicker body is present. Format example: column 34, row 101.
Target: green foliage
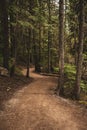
column 84, row 86
column 18, row 71
column 82, row 102
column 55, row 69
column 70, row 71
column 25, row 24
column 85, row 56
column 70, row 75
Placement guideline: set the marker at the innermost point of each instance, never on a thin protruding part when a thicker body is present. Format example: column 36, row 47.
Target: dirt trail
column 35, row 107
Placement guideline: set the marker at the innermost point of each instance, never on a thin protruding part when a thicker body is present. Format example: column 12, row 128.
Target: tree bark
column 60, row 88
column 13, row 41
column 49, row 37
column 28, row 55
column 5, row 32
column 80, row 50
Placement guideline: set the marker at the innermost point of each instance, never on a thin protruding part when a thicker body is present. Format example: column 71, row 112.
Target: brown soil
column 35, row 107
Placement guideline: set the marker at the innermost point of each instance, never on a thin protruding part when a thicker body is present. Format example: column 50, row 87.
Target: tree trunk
column 5, row 33
column 60, row 88
column 39, row 56
column 28, row 55
column 13, row 42
column 28, row 63
column 49, row 37
column 80, row 50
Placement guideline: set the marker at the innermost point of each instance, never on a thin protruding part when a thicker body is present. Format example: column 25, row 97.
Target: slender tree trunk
column 60, row 88
column 35, row 46
column 29, row 43
column 40, row 31
column 28, row 63
column 80, row 50
column 5, row 32
column 49, row 37
column 28, row 55
column 13, row 42
column 40, row 47
column 76, row 48
column 36, row 58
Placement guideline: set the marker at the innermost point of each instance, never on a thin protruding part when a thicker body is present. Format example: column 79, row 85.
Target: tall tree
column 29, row 43
column 28, row 54
column 80, row 49
column 12, row 39
column 5, row 33
column 49, row 34
column 60, row 88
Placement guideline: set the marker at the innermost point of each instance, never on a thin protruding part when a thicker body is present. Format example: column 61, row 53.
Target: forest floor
column 34, row 106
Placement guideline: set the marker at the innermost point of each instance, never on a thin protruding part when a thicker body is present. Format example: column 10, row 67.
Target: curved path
column 35, row 107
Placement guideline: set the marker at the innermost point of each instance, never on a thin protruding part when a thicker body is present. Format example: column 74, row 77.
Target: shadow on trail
column 8, row 86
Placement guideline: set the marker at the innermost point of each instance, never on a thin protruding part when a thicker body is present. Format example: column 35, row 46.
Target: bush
column 70, row 75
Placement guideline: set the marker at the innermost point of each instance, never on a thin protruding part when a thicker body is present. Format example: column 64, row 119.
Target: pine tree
column 60, row 88
column 5, row 32
column 80, row 50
